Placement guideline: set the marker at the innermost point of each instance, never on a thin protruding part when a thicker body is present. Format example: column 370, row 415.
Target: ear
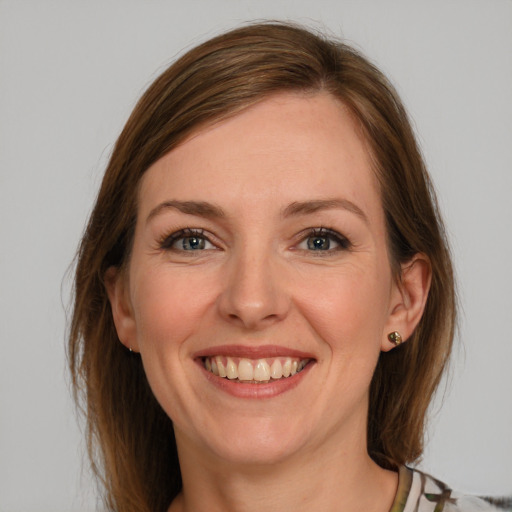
column 408, row 299
column 116, row 284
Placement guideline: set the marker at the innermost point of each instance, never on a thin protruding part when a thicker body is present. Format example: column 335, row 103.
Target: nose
column 253, row 294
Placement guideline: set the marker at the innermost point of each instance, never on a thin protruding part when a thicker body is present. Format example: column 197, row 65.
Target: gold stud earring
column 395, row 337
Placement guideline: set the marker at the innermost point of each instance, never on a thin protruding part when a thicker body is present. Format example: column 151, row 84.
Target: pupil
column 318, row 243
column 191, row 243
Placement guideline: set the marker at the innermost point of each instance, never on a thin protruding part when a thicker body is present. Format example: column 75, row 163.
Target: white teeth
column 262, row 371
column 276, row 370
column 245, row 370
column 231, row 369
column 250, row 370
column 287, row 367
column 220, row 366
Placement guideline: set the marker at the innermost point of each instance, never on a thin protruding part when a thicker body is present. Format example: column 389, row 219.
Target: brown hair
column 130, row 438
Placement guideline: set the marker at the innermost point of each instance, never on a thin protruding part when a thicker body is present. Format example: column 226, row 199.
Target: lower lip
column 256, row 391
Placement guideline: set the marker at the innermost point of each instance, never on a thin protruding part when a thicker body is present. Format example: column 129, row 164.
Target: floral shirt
column 419, row 492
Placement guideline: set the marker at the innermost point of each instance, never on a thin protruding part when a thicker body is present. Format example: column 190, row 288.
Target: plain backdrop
column 70, row 73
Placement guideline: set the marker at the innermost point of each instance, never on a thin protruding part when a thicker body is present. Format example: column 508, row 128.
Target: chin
column 257, row 442
column 258, row 449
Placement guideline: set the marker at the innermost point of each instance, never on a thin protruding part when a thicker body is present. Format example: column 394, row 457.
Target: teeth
column 276, row 370
column 215, row 370
column 247, row 370
column 287, row 368
column 231, row 369
column 221, row 368
column 262, row 371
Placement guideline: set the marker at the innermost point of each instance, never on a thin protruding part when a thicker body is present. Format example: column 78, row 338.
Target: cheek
column 347, row 309
column 169, row 307
column 346, row 312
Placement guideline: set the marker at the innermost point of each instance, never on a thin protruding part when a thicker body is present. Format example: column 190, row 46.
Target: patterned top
column 419, row 492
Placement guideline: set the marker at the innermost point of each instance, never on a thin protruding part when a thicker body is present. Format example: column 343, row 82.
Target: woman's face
column 259, row 249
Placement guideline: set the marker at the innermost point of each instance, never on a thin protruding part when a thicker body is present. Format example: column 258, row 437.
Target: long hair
column 130, row 438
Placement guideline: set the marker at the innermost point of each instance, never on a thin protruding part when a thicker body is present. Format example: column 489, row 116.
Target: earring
column 395, row 338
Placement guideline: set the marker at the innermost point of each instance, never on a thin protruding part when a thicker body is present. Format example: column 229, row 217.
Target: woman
column 264, row 295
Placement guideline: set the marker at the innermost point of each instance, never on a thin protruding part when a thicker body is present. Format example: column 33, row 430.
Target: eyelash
column 330, row 234
column 167, row 241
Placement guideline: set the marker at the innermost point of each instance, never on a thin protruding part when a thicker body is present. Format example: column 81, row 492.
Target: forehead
column 289, row 147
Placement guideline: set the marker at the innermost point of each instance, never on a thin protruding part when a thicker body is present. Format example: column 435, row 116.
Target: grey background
column 71, row 71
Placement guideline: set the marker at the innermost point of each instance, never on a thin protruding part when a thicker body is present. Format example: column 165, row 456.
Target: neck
column 337, row 476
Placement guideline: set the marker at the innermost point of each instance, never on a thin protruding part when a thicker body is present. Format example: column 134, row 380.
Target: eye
column 323, row 240
column 187, row 240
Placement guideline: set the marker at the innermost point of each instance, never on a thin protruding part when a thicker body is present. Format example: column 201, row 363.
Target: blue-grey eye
column 192, row 243
column 319, row 243
column 323, row 240
column 186, row 240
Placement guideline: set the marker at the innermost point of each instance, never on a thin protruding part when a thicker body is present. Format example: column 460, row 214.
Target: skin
column 258, row 283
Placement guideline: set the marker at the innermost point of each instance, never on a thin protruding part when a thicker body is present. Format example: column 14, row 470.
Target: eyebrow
column 197, row 208
column 209, row 210
column 308, row 207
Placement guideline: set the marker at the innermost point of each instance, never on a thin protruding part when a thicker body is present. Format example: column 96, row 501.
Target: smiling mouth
column 254, row 371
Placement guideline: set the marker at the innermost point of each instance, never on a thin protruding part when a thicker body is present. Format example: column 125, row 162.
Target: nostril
column 252, row 320
column 252, row 302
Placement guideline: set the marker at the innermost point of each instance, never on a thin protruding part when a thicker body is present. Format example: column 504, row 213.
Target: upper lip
column 252, row 352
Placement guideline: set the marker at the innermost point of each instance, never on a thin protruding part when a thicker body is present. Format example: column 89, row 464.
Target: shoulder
column 420, row 492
